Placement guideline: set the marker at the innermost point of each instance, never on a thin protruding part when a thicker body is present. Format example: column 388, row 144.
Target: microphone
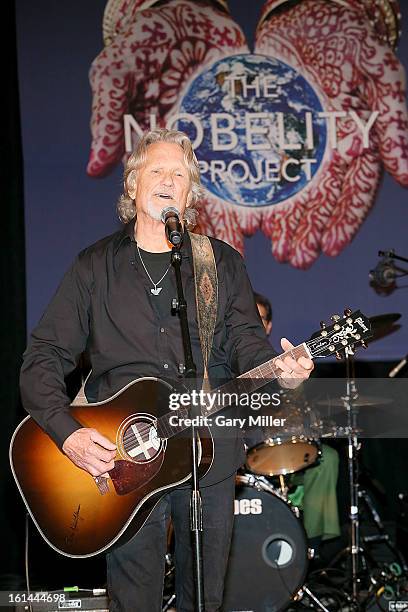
column 384, row 274
column 173, row 228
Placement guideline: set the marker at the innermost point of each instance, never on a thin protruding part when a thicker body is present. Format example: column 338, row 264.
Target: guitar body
column 73, row 514
column 80, row 518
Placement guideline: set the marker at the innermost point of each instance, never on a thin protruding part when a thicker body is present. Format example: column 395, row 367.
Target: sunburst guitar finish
column 80, row 516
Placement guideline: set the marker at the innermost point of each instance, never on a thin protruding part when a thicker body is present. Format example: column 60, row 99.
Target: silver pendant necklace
column 156, row 290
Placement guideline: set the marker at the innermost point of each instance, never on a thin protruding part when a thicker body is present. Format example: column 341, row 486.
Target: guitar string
column 164, row 422
column 298, row 350
column 146, row 429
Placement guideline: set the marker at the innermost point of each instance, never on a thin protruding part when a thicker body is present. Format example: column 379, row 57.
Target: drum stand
column 357, row 554
column 300, row 594
column 353, row 447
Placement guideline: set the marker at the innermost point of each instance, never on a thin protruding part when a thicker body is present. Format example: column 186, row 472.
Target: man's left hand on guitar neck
column 293, row 371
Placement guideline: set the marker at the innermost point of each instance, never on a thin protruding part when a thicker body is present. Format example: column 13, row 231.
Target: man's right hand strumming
column 91, row 451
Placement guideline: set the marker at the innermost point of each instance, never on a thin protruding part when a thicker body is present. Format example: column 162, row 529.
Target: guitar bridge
column 102, row 484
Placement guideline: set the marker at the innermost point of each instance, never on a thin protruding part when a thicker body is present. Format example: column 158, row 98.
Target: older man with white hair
column 115, row 302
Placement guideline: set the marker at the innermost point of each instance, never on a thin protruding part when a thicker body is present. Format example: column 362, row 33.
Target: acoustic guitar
column 81, row 516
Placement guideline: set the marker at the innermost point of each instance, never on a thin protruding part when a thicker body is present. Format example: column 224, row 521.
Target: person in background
column 319, row 503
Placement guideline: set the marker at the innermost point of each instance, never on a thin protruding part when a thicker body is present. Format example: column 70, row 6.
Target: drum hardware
column 357, row 555
column 382, row 535
column 382, row 325
column 301, row 593
column 360, row 401
column 169, row 603
column 361, row 559
column 169, row 595
column 283, row 486
column 345, row 432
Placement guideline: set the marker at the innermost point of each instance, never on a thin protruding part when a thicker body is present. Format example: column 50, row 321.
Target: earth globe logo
column 255, row 127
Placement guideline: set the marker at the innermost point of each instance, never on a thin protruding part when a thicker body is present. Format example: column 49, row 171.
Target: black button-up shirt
column 104, row 305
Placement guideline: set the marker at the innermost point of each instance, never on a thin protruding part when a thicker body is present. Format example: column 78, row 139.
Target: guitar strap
column 80, row 398
column 206, row 292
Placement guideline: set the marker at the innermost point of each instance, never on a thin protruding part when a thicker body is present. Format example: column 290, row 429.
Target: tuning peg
column 347, row 312
column 323, row 328
column 338, row 356
column 363, row 344
column 335, row 318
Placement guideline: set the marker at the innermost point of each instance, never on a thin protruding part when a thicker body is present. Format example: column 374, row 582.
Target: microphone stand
column 179, row 305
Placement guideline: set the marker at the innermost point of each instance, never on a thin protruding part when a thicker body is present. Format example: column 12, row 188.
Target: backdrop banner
column 298, row 118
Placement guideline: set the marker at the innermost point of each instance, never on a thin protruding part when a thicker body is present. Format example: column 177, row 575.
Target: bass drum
column 269, row 554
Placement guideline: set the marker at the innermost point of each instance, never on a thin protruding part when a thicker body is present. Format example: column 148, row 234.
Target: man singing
column 115, row 302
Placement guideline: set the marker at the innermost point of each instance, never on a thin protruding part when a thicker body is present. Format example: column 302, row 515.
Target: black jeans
column 136, row 569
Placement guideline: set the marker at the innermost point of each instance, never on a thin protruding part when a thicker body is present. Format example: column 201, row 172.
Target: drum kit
column 269, row 536
column 269, row 556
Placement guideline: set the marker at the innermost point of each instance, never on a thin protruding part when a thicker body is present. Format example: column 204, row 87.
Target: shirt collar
column 128, row 235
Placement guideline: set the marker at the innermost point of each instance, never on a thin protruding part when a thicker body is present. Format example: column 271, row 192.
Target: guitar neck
column 254, row 379
column 230, row 393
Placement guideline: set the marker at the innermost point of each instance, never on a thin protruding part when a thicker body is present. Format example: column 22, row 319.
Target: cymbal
column 342, row 432
column 360, row 402
column 384, row 319
column 383, row 325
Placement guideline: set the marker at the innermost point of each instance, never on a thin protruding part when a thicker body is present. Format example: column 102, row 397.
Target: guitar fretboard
column 230, row 392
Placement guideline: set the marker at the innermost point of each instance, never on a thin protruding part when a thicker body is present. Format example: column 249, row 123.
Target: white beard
column 153, row 212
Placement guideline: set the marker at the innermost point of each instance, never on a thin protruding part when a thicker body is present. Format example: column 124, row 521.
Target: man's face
column 267, row 324
column 162, row 181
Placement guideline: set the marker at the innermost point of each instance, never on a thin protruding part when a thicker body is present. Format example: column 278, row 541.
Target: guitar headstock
column 346, row 332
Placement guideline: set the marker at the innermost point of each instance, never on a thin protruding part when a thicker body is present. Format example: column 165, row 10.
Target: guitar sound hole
column 138, row 440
